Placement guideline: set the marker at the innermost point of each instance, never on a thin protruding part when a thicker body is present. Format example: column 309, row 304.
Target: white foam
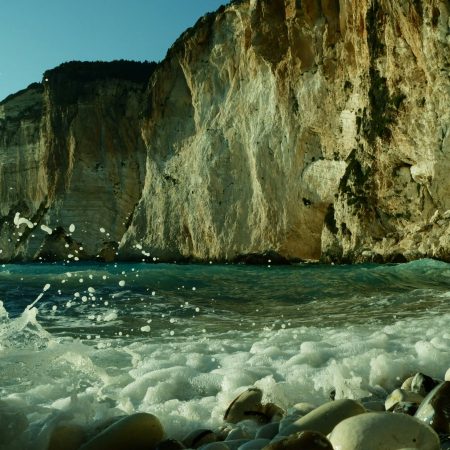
column 188, row 381
column 47, row 229
column 25, row 221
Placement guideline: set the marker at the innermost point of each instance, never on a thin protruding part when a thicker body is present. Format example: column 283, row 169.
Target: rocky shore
column 413, row 416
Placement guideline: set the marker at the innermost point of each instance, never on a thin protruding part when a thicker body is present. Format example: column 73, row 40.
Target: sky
column 36, row 35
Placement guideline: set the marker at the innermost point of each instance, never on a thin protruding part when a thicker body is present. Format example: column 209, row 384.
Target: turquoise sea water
column 182, row 340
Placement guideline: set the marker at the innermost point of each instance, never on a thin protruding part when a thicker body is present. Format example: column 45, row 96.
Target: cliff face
column 305, row 129
column 313, row 129
column 71, row 154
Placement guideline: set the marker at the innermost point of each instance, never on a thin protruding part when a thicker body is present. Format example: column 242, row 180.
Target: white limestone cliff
column 313, row 129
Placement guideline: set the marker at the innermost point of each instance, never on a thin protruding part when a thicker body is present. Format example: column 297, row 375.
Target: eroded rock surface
column 304, row 130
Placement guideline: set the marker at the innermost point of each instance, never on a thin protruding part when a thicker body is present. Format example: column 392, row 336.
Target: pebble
column 197, row 438
column 383, row 431
column 255, row 444
column 215, row 446
column 12, row 423
column 374, row 405
column 170, row 444
column 67, row 437
column 238, row 433
column 325, row 417
column 406, row 408
column 306, row 440
column 302, row 408
column 236, row 443
column 406, row 385
column 447, row 375
column 435, row 408
column 423, row 384
column 138, row 431
column 401, row 395
column 268, row 431
column 273, row 412
column 245, row 406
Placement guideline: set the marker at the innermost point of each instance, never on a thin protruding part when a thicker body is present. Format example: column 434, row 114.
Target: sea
column 85, row 342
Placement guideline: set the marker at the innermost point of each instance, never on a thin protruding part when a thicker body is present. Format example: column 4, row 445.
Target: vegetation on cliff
column 86, row 71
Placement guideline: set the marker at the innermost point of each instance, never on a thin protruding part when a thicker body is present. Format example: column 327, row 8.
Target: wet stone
column 215, row 446
column 236, row 443
column 268, row 431
column 325, row 417
column 406, row 385
column 308, row 440
column 170, row 444
column 255, row 444
column 246, row 406
column 400, row 395
column 301, row 409
column 382, row 431
column 406, row 408
column 141, row 431
column 12, row 423
column 67, row 437
column 435, row 408
column 273, row 412
column 423, row 384
column 374, row 405
column 238, row 433
column 200, row 437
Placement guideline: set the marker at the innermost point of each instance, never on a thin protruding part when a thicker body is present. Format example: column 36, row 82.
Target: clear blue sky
column 36, row 35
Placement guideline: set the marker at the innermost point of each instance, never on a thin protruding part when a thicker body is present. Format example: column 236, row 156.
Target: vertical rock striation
column 312, row 129
column 72, row 153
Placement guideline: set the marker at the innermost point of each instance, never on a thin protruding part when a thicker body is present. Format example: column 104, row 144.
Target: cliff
column 313, row 129
column 72, row 161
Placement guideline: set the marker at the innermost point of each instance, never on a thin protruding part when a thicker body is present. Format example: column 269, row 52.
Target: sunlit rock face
column 303, row 129
column 309, row 128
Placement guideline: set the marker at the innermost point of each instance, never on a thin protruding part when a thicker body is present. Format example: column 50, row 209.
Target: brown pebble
column 139, row 431
column 273, row 412
column 246, row 406
column 67, row 437
column 304, row 440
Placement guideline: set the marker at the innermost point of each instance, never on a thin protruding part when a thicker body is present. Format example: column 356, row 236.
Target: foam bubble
column 46, row 229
